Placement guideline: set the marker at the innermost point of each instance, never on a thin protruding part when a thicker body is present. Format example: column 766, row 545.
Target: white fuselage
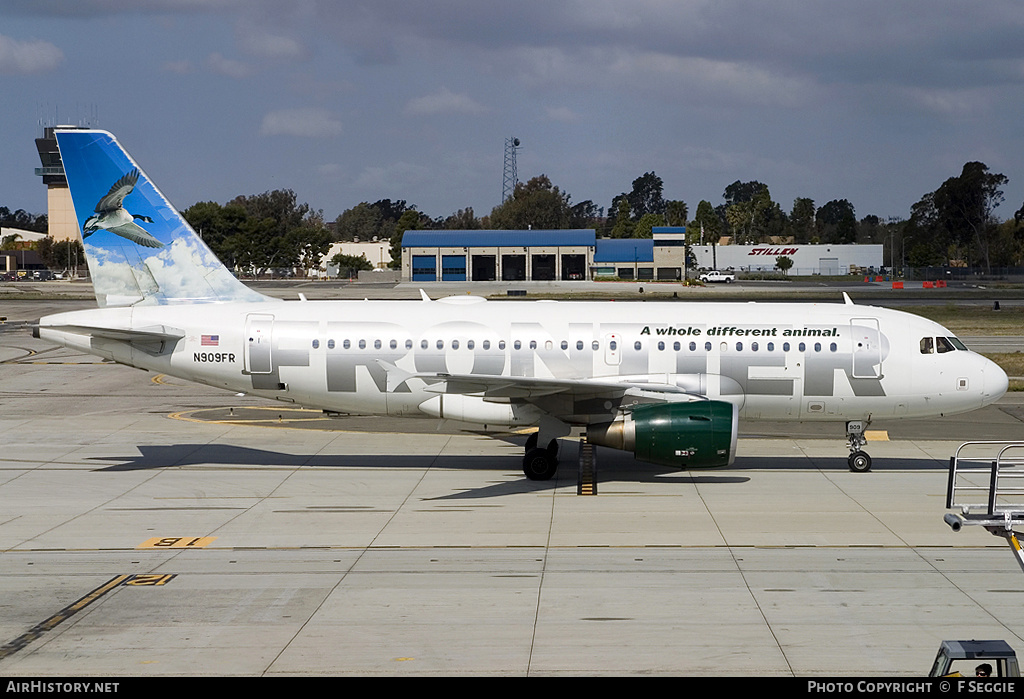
column 774, row 361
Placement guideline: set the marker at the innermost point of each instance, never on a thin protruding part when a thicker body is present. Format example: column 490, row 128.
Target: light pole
column 892, row 252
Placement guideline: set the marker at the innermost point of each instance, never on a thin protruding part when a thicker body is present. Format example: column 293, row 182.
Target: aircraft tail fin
column 139, row 248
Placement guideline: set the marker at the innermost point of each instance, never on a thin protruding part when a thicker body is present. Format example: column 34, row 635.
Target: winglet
column 847, row 300
column 423, row 295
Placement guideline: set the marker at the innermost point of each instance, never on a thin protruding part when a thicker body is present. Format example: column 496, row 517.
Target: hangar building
column 565, row 255
column 487, row 256
column 544, row 255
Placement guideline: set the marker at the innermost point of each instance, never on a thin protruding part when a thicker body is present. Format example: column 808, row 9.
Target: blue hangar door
column 424, row 268
column 453, row 268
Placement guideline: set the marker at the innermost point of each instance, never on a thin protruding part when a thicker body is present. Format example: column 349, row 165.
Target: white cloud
column 114, row 281
column 660, row 73
column 444, row 101
column 262, row 42
column 178, row 67
column 950, row 103
column 27, row 57
column 183, row 270
column 393, row 177
column 227, row 66
column 562, row 114
column 309, row 122
column 188, row 270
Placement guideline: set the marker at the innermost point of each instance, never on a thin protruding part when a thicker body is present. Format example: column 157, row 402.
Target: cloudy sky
column 874, row 101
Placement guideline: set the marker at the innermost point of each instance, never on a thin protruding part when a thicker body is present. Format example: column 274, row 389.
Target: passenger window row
column 946, row 345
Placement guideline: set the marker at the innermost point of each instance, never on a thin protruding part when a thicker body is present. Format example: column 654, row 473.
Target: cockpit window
column 930, row 345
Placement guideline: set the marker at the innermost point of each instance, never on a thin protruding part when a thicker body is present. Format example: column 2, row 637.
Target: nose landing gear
column 858, row 461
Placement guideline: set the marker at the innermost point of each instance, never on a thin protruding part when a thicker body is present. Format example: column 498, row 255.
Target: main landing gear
column 540, row 464
column 859, row 461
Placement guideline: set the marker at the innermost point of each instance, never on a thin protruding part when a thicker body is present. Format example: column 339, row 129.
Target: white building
column 378, row 253
column 23, row 235
column 807, row 259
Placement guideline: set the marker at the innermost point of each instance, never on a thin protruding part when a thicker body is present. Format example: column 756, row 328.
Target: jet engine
column 699, row 434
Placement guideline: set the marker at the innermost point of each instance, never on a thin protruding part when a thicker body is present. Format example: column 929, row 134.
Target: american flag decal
column 210, row 340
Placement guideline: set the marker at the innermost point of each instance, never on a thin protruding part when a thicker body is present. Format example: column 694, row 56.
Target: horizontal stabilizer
column 153, row 333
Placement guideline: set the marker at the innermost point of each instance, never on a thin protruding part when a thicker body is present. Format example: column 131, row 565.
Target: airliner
column 668, row 382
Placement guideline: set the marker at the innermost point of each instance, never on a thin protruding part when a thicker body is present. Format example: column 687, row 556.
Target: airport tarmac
column 153, row 527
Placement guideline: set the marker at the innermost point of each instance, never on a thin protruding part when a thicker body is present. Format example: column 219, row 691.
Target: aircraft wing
column 528, row 388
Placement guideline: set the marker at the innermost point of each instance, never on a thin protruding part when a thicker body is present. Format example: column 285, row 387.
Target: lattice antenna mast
column 511, row 177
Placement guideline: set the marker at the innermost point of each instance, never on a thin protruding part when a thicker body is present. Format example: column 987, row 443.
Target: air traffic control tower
column 60, row 212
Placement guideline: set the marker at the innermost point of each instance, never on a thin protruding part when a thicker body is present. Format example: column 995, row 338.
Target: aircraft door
column 867, row 348
column 259, row 332
column 612, row 349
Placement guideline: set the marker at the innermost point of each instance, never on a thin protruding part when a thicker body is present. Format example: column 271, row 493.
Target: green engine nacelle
column 701, row 434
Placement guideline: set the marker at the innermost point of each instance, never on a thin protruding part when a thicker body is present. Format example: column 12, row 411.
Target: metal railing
column 987, row 476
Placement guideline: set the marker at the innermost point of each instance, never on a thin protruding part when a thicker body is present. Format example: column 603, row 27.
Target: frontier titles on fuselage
column 733, row 331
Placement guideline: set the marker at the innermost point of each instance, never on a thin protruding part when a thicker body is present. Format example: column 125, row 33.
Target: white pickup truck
column 716, row 276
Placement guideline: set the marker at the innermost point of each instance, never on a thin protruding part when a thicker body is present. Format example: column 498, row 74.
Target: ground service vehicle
column 716, row 276
column 960, row 658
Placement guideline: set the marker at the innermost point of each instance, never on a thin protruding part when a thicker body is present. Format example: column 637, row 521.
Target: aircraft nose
column 995, row 382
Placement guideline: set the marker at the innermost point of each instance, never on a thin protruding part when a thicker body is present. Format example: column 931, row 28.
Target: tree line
column 957, row 224
column 258, row 233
